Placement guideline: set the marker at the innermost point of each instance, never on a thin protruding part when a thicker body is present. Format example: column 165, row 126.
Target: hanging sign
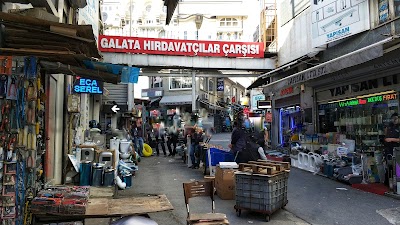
column 161, row 46
column 87, row 86
column 220, row 84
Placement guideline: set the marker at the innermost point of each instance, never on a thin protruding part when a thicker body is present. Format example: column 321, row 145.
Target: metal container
column 97, row 175
column 109, row 176
column 85, row 173
column 128, row 180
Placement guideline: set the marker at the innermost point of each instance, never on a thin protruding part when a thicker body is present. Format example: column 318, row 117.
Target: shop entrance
column 290, row 120
column 54, row 114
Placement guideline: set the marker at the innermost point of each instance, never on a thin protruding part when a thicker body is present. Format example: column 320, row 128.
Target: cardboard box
column 225, row 183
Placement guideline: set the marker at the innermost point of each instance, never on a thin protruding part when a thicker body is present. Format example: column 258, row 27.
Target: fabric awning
column 348, row 60
column 177, row 100
column 54, row 68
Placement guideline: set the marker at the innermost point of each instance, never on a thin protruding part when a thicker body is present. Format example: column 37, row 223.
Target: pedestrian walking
column 172, row 140
column 160, row 137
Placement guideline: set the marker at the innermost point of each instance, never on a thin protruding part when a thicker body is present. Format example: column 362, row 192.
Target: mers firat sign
column 159, row 46
column 336, row 19
column 87, row 86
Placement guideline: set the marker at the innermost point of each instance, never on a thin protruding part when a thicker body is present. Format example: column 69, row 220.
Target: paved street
column 312, row 199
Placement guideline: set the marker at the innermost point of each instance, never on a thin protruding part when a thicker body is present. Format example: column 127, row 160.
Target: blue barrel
column 108, row 179
column 128, row 180
column 86, row 172
column 97, row 176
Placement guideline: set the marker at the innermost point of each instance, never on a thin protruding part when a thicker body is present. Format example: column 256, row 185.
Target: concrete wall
column 294, row 37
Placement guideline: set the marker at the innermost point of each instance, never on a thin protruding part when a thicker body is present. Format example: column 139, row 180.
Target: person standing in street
column 137, row 134
column 160, row 135
column 172, row 140
column 392, row 140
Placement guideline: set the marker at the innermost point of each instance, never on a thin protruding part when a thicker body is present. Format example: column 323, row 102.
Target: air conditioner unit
column 205, row 96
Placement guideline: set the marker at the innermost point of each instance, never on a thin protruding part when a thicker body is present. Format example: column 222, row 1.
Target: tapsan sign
column 158, row 46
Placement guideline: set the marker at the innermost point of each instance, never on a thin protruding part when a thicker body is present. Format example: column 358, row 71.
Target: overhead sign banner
column 87, row 86
column 333, row 20
column 160, row 46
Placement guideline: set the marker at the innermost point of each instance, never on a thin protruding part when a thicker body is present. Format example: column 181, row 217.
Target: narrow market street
column 312, row 199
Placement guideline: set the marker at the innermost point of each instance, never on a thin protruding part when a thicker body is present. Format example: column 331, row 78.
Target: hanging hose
column 119, row 182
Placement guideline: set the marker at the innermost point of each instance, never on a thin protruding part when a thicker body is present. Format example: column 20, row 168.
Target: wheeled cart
column 261, row 192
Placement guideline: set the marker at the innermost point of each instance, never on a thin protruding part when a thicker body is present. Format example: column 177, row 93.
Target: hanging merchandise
column 12, row 88
column 6, row 65
column 3, row 85
column 30, row 69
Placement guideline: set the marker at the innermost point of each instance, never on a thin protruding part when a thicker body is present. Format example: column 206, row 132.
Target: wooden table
column 103, row 207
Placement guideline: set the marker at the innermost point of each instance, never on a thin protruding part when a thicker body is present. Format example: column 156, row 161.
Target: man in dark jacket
column 238, row 140
column 392, row 140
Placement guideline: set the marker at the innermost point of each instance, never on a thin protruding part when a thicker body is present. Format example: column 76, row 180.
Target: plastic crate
column 261, row 193
column 218, row 156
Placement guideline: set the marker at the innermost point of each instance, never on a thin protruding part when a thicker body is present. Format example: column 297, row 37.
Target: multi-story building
column 235, row 22
column 337, row 60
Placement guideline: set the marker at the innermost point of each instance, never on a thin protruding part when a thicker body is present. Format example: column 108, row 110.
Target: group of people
column 156, row 136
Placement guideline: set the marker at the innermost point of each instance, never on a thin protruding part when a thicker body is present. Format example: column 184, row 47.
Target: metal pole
column 193, row 91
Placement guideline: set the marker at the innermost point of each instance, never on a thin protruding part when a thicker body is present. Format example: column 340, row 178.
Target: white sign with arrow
column 115, row 109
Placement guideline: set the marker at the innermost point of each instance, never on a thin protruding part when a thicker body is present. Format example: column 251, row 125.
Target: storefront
column 359, row 109
column 287, row 114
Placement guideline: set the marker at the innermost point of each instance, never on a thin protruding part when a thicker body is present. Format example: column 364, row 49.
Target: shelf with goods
column 22, row 126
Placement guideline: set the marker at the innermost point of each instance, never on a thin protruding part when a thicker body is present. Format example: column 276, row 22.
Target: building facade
column 336, row 68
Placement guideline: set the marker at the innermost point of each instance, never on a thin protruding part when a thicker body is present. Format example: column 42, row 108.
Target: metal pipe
column 193, row 91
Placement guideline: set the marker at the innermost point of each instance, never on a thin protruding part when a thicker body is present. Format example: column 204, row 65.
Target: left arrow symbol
column 115, row 108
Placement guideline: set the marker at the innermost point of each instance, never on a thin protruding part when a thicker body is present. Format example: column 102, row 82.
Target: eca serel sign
column 87, row 86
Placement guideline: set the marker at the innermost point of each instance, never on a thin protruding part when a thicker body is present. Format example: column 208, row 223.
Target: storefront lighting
column 381, row 93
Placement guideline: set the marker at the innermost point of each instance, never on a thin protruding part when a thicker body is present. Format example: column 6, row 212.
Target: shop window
column 201, row 83
column 383, row 11
column 180, row 83
column 227, row 90
column 363, row 118
column 210, row 85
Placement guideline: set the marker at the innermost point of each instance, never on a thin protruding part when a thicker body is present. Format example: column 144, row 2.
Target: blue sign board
column 87, row 86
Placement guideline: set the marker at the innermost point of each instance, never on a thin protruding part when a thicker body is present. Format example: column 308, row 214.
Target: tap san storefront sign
column 87, row 86
column 158, row 46
column 332, row 20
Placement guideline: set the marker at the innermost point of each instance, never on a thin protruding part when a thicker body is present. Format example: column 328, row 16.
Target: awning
column 211, row 105
column 266, row 77
column 56, row 42
column 154, row 100
column 171, row 6
column 177, row 100
column 54, row 68
column 348, row 60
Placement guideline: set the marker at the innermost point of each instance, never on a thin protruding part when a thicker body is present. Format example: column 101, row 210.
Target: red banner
column 160, row 46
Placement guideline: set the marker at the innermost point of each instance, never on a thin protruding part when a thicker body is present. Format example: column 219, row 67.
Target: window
column 185, row 35
column 397, row 8
column 149, row 21
column 227, row 90
column 109, row 8
column 228, row 36
column 158, row 21
column 148, row 8
column 210, row 85
column 164, row 9
column 180, row 83
column 139, row 21
column 383, row 9
column 157, row 82
column 235, row 35
column 209, row 37
column 219, row 35
column 161, row 34
column 228, row 22
column 201, row 83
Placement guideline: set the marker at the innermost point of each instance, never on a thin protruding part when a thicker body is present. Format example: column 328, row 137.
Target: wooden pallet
column 286, row 165
column 264, row 167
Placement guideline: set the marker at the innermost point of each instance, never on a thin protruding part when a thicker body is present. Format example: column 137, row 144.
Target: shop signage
column 287, row 91
column 220, row 84
column 365, row 85
column 87, row 86
column 160, row 46
column 255, row 99
column 262, row 104
column 152, row 92
column 114, row 108
column 373, row 99
column 332, row 20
